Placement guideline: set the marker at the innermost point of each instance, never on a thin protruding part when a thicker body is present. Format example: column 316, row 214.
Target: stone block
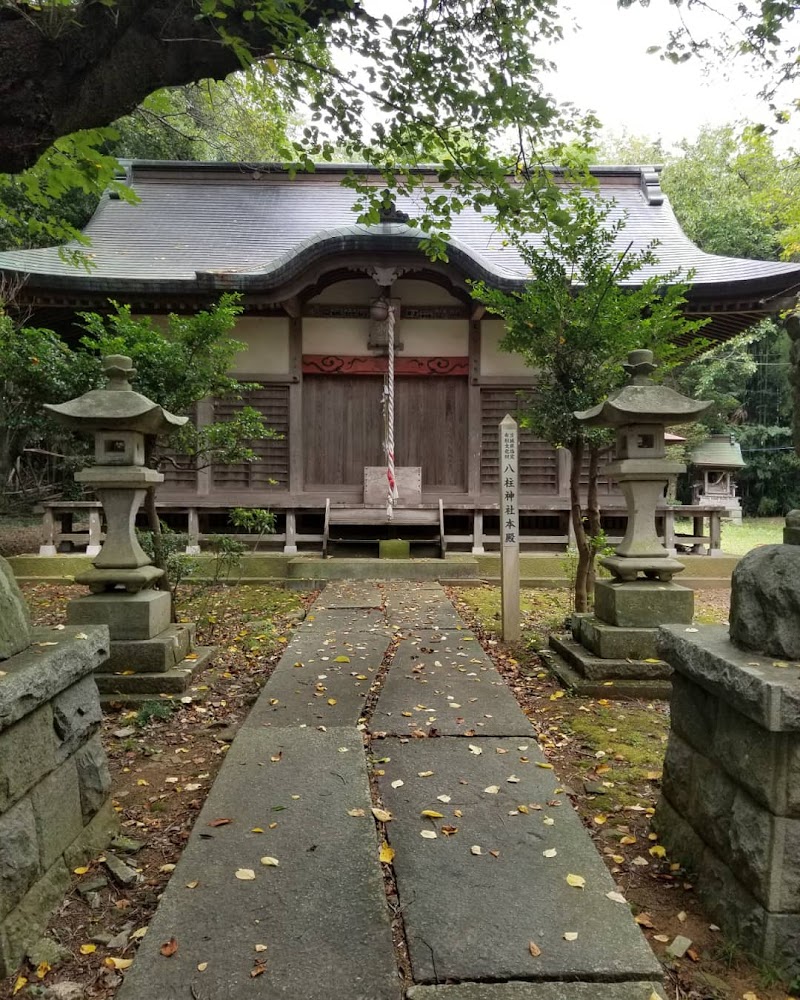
column 755, row 758
column 57, row 809
column 749, row 682
column 94, row 779
column 677, row 781
column 25, row 924
column 76, row 716
column 693, row 712
column 15, row 626
column 128, row 616
column 94, row 837
column 19, row 855
column 709, row 809
column 614, row 643
column 156, row 655
column 56, row 661
column 642, row 603
column 28, row 751
column 765, row 601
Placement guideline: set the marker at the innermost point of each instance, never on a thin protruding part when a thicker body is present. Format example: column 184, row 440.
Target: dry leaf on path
column 428, row 834
column 387, row 854
column 570, row 935
column 220, row 822
column 168, row 948
column 534, row 949
column 270, row 862
column 381, row 815
column 245, row 874
column 576, row 881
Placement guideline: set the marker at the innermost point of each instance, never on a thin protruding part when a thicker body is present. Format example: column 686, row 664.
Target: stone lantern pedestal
column 613, row 651
column 149, row 656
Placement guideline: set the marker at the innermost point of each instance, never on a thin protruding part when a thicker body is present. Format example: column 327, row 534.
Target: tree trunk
column 593, row 512
column 65, row 67
column 581, row 541
column 154, row 524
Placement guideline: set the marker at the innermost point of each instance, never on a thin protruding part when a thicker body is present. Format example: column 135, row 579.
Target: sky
column 605, row 67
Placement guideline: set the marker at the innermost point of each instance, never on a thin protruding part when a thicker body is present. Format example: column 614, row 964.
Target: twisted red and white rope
column 393, row 495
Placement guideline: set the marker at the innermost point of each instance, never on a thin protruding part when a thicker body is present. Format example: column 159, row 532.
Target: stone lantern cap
column 720, row 451
column 640, row 401
column 117, row 407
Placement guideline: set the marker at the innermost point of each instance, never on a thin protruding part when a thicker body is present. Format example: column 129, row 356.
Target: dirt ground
column 608, row 756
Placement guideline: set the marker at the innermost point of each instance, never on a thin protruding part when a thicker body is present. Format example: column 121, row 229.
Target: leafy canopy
column 586, row 306
column 455, row 81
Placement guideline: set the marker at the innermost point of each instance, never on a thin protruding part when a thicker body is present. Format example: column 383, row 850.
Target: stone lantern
column 716, row 460
column 616, row 646
column 143, row 640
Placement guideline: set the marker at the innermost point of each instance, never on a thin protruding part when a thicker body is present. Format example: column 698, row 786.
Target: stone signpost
column 509, row 527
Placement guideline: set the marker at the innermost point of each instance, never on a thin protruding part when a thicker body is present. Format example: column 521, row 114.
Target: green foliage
column 177, row 563
column 770, row 483
column 178, row 367
column 244, row 117
column 254, row 520
column 150, row 710
column 734, row 195
column 582, row 312
column 458, row 82
column 36, row 367
column 228, row 554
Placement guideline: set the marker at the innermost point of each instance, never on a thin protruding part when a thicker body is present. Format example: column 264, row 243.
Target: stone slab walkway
column 476, row 884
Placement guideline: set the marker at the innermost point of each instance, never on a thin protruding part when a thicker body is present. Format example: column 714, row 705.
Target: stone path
column 476, row 884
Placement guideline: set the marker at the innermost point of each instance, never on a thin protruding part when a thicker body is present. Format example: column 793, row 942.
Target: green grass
column 737, row 539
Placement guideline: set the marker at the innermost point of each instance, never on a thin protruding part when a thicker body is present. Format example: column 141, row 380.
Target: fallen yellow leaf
column 42, row 969
column 87, row 949
column 600, row 819
column 386, row 855
column 117, row 963
column 381, row 815
column 576, row 881
column 342, row 659
column 331, row 701
column 547, row 767
column 245, row 874
column 19, row 983
column 270, row 862
column 658, row 851
column 202, row 966
column 431, row 814
column 82, row 870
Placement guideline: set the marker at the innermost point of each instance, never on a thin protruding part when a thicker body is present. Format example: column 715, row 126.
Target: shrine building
column 309, row 276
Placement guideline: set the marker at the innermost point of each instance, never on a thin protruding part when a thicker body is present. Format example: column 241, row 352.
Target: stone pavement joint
column 297, row 771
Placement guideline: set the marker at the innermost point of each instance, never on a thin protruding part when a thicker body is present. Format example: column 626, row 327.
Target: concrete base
column 128, row 616
column 394, row 548
column 584, row 673
column 452, row 568
column 149, row 656
column 643, row 603
column 116, row 688
column 612, row 642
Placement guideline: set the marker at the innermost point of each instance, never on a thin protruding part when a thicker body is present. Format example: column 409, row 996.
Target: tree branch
column 72, row 68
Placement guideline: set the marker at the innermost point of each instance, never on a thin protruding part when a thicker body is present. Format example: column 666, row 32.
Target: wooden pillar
column 48, row 546
column 477, row 533
column 290, row 539
column 296, row 483
column 192, row 532
column 474, row 419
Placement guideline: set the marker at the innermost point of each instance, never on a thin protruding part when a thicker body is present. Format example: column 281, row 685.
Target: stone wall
column 55, row 810
column 730, row 809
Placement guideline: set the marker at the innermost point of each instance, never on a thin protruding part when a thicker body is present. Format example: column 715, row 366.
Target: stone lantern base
column 614, row 652
column 149, row 657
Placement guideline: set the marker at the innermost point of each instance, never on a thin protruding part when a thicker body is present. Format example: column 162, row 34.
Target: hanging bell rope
column 391, row 481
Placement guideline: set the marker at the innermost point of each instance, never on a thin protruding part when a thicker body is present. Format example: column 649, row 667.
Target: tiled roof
column 257, row 226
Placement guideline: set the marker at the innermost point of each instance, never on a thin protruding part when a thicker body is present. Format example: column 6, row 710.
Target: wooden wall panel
column 271, row 472
column 342, row 428
column 538, row 469
column 431, row 430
